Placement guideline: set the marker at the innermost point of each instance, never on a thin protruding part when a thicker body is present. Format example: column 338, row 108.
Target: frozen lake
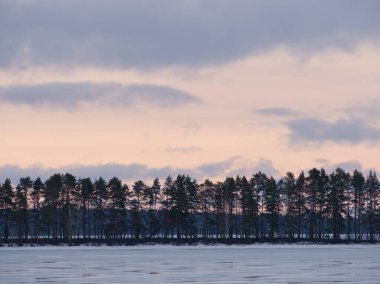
column 188, row 264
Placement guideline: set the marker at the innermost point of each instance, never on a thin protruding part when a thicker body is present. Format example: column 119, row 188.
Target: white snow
column 192, row 264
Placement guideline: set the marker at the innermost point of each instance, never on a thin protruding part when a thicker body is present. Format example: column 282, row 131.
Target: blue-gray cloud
column 368, row 109
column 149, row 34
column 134, row 171
column 72, row 95
column 348, row 130
column 126, row 172
column 276, row 111
column 233, row 167
column 346, row 165
column 263, row 165
column 213, row 169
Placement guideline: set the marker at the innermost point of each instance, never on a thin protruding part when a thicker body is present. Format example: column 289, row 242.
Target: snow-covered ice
column 192, row 264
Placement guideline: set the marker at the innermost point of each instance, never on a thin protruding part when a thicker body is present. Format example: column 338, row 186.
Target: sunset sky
column 212, row 88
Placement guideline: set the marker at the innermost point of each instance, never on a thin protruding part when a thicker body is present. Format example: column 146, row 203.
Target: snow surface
column 192, row 264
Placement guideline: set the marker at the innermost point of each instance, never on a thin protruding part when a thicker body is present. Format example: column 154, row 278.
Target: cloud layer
column 150, row 34
column 341, row 131
column 347, row 165
column 135, row 171
column 72, row 95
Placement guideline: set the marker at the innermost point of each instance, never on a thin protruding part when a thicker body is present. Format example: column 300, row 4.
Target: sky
column 212, row 88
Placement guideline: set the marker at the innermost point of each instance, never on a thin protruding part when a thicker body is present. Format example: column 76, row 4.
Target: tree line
column 312, row 206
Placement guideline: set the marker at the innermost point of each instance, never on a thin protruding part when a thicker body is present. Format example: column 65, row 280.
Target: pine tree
column 358, row 183
column 323, row 184
column 151, row 199
column 347, row 204
column 51, row 196
column 20, row 208
column 300, row 188
column 179, row 205
column 339, row 180
column 192, row 205
column 311, row 200
column 220, row 203
column 259, row 182
column 25, row 185
column 36, row 195
column 136, row 205
column 85, row 194
column 101, row 196
column 231, row 191
column 248, row 206
column 372, row 189
column 288, row 185
column 68, row 195
column 271, row 199
column 6, row 203
column 167, row 204
column 117, row 203
column 206, row 196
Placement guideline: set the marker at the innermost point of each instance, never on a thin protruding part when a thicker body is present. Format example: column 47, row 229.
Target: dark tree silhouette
column 358, row 183
column 289, row 190
column 36, row 194
column 69, row 195
column 339, row 180
column 151, row 197
column 117, row 206
column 372, row 188
column 51, row 196
column 248, row 206
column 272, row 207
column 100, row 198
column 136, row 204
column 317, row 207
column 6, row 203
column 300, row 187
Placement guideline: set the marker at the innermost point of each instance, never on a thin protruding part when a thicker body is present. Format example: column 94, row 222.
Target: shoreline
column 177, row 242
